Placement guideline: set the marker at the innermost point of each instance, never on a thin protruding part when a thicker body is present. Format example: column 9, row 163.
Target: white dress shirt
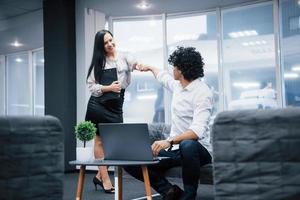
column 124, row 63
column 191, row 107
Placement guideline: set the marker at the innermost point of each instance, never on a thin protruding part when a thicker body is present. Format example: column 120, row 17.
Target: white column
column 88, row 22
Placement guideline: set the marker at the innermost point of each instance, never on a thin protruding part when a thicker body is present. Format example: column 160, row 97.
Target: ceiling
column 129, row 7
column 22, row 20
column 14, row 8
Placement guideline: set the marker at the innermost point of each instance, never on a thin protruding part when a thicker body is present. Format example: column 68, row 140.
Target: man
column 189, row 137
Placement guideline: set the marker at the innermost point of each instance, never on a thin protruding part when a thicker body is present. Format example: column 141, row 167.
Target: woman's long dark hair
column 99, row 59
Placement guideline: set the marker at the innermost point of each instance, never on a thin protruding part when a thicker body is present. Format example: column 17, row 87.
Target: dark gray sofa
column 257, row 154
column 31, row 157
column 162, row 131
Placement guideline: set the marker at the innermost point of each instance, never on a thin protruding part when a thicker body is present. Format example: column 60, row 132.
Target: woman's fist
column 115, row 86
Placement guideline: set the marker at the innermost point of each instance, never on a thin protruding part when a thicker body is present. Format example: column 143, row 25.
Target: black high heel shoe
column 96, row 182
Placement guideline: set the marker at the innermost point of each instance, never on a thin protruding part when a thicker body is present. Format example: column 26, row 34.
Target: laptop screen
column 126, row 141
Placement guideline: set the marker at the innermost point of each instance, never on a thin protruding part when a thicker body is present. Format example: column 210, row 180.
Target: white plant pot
column 84, row 154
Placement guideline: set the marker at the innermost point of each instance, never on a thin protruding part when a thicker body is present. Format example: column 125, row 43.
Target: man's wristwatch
column 171, row 141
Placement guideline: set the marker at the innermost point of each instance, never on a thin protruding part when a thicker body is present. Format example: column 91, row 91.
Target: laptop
column 126, row 141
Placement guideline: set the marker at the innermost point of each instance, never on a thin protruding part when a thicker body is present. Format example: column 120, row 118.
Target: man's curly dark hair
column 188, row 61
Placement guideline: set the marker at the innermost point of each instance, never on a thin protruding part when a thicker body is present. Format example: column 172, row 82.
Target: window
column 22, row 83
column 290, row 51
column 38, row 65
column 249, row 57
column 19, row 99
column 197, row 31
column 143, row 39
column 295, row 23
column 2, row 85
column 145, row 87
column 248, row 76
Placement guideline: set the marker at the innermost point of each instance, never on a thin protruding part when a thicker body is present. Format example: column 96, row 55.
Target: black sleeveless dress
column 103, row 110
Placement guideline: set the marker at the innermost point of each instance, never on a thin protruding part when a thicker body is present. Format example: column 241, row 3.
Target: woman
column 107, row 93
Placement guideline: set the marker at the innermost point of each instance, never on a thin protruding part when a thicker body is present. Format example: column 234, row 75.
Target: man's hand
column 148, row 68
column 159, row 145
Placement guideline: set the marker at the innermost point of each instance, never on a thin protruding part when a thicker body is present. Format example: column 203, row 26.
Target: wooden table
column 118, row 174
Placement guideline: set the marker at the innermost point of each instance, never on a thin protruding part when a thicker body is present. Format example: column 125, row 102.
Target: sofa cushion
column 161, row 131
column 256, row 154
column 31, row 156
column 205, row 173
column 158, row 131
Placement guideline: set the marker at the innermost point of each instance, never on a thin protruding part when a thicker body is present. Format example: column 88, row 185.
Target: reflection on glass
column 197, row 31
column 2, row 85
column 18, row 85
column 38, row 65
column 159, row 112
column 249, row 57
column 143, row 39
column 290, row 34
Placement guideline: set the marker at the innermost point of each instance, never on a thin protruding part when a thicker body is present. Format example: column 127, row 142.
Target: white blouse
column 124, row 63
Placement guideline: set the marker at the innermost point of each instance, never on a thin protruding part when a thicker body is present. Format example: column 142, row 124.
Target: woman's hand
column 146, row 69
column 115, row 86
column 159, row 145
column 143, row 68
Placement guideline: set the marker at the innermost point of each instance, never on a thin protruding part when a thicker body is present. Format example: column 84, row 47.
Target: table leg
column 118, row 183
column 80, row 182
column 147, row 182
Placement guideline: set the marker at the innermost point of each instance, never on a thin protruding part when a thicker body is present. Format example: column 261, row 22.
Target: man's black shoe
column 174, row 193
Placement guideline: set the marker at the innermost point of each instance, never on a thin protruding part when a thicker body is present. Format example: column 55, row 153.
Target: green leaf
column 85, row 131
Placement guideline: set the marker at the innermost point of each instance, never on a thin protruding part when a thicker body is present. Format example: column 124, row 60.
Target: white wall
column 88, row 22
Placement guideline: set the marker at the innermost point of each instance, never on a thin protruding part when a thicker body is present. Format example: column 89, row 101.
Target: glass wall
column 143, row 39
column 19, row 99
column 2, row 85
column 198, row 31
column 247, row 55
column 249, row 69
column 38, row 66
column 249, row 76
column 290, row 50
column 22, row 83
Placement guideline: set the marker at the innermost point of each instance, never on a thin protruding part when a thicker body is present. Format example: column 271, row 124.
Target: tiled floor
column 132, row 189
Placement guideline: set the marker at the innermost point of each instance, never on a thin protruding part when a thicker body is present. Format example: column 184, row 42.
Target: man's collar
column 191, row 85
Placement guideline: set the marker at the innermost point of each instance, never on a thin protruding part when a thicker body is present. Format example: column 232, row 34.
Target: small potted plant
column 85, row 131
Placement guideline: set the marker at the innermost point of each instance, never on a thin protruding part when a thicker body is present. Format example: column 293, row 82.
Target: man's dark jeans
column 191, row 155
